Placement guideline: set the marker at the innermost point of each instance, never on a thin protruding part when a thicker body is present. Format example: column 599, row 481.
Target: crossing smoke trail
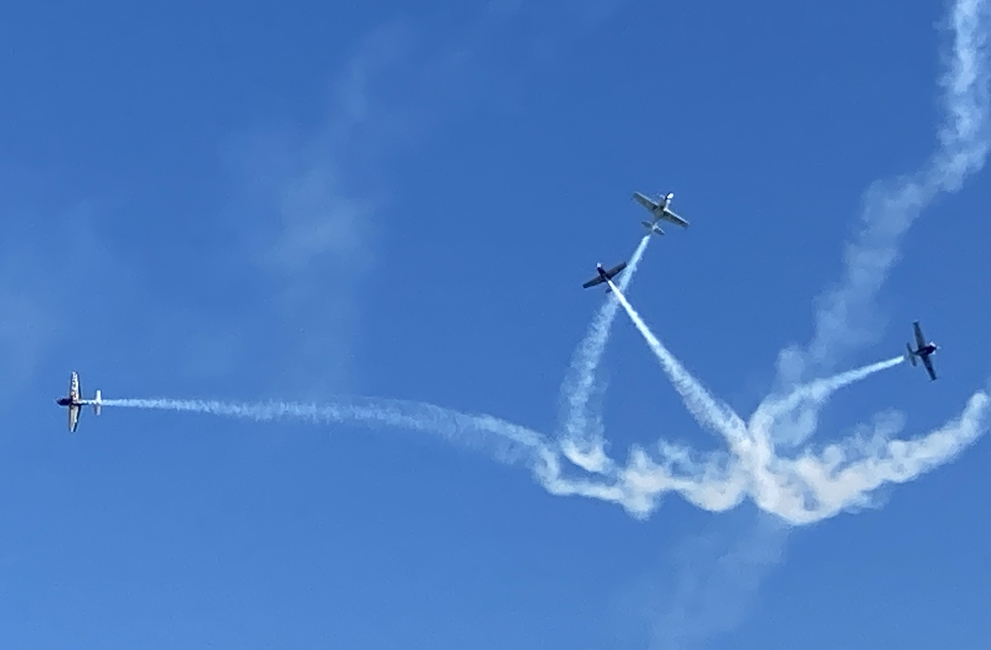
column 799, row 490
column 812, row 486
column 802, row 488
column 582, row 439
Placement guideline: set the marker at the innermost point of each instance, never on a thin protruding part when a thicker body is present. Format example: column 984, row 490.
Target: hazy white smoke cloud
column 713, row 585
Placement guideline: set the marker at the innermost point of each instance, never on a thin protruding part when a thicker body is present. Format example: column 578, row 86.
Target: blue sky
column 305, row 202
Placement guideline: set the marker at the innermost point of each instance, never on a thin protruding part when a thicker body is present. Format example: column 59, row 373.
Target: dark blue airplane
column 604, row 275
column 922, row 351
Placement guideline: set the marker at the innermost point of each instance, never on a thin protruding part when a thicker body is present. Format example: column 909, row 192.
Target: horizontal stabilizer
column 910, row 355
column 652, row 228
column 97, row 402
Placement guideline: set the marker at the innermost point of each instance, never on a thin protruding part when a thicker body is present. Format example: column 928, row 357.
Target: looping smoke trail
column 814, row 487
column 800, row 490
column 582, row 439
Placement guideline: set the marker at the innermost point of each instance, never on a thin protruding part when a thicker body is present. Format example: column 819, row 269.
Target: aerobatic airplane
column 923, row 351
column 659, row 210
column 604, row 275
column 75, row 402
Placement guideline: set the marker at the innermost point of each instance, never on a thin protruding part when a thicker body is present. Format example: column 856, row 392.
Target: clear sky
column 302, row 202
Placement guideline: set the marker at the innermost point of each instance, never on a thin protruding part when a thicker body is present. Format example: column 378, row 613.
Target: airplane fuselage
column 74, row 402
column 923, row 350
column 659, row 210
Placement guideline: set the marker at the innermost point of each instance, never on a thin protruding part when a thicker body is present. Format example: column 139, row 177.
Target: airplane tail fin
column 97, row 402
column 911, row 355
column 651, row 228
column 608, row 289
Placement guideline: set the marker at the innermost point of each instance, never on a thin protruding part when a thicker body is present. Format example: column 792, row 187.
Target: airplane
column 923, row 351
column 659, row 210
column 75, row 402
column 605, row 275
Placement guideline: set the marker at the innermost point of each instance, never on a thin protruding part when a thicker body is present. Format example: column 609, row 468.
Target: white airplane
column 74, row 400
column 659, row 210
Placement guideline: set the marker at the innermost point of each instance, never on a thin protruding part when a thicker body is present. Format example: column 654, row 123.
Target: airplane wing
column 616, row 270
column 74, row 386
column 73, row 418
column 644, row 201
column 928, row 363
column 594, row 281
column 920, row 340
column 673, row 218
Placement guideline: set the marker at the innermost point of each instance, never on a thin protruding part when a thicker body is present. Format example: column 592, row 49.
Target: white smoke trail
column 814, row 486
column 707, row 411
column 583, row 435
column 804, row 489
column 777, row 412
column 512, row 440
column 842, row 476
column 844, row 318
column 800, row 489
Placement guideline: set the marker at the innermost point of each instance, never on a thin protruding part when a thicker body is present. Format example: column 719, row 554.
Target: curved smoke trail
column 799, row 490
column 845, row 318
column 583, row 435
column 802, row 488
